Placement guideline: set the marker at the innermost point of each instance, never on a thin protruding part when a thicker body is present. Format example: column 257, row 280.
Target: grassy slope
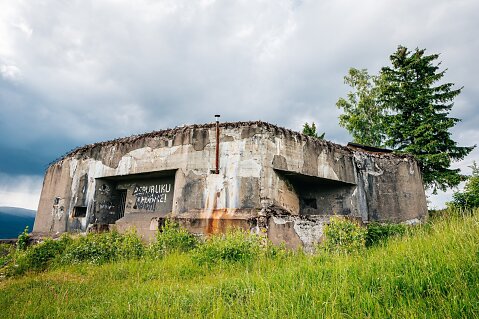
column 434, row 274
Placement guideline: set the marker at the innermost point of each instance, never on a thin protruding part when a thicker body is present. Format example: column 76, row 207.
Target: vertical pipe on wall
column 217, row 170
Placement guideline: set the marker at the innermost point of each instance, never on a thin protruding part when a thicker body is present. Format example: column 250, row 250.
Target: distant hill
column 13, row 221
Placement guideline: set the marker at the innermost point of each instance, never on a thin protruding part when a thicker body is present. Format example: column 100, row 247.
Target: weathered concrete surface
column 270, row 180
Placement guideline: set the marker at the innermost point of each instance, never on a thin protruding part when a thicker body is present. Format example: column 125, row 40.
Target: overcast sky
column 78, row 72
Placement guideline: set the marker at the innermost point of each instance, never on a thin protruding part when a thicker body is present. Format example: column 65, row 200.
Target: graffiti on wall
column 147, row 197
column 104, row 189
column 107, row 205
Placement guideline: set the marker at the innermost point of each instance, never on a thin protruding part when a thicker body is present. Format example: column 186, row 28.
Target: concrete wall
column 271, row 179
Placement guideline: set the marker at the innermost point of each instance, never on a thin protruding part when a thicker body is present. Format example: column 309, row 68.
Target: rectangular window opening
column 79, row 211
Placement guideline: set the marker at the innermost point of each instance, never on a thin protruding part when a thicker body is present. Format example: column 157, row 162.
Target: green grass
column 432, row 272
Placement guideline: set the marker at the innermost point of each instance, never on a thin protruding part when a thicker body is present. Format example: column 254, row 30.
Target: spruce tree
column 418, row 122
column 310, row 130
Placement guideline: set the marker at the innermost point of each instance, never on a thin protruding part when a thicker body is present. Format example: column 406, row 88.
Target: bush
column 23, row 239
column 92, row 248
column 37, row 257
column 6, row 253
column 104, row 247
column 343, row 236
column 469, row 198
column 130, row 246
column 378, row 233
column 172, row 238
column 234, row 246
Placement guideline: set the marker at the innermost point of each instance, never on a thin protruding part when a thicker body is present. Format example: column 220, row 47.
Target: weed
column 23, row 239
column 379, row 233
column 234, row 246
column 104, row 247
column 6, row 252
column 343, row 235
column 172, row 238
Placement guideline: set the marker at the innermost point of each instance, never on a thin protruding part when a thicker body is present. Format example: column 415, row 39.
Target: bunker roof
column 276, row 130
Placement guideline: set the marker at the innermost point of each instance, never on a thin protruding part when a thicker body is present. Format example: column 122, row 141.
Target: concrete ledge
column 145, row 224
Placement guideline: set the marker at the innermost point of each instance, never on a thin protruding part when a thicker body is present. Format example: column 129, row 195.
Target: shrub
column 343, row 236
column 37, row 257
column 105, row 247
column 171, row 237
column 23, row 239
column 377, row 232
column 6, row 253
column 234, row 246
column 93, row 248
column 130, row 246
column 469, row 198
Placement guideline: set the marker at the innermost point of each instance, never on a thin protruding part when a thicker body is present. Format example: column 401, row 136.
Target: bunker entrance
column 320, row 196
column 149, row 193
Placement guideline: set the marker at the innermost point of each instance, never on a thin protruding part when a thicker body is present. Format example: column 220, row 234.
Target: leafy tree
column 363, row 115
column 311, row 130
column 409, row 112
column 469, row 198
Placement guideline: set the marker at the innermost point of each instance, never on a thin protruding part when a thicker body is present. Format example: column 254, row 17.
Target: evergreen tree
column 419, row 123
column 311, row 130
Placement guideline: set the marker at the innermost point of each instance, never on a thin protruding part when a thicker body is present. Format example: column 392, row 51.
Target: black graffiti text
column 148, row 196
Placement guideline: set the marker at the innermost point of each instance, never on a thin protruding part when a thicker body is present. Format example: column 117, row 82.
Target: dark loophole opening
column 309, row 203
column 79, row 211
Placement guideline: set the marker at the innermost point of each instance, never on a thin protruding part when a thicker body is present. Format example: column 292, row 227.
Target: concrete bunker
column 269, row 180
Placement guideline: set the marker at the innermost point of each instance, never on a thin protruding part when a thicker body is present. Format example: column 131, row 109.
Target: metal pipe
column 217, row 171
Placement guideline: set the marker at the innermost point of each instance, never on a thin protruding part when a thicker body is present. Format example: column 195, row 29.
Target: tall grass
column 430, row 272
